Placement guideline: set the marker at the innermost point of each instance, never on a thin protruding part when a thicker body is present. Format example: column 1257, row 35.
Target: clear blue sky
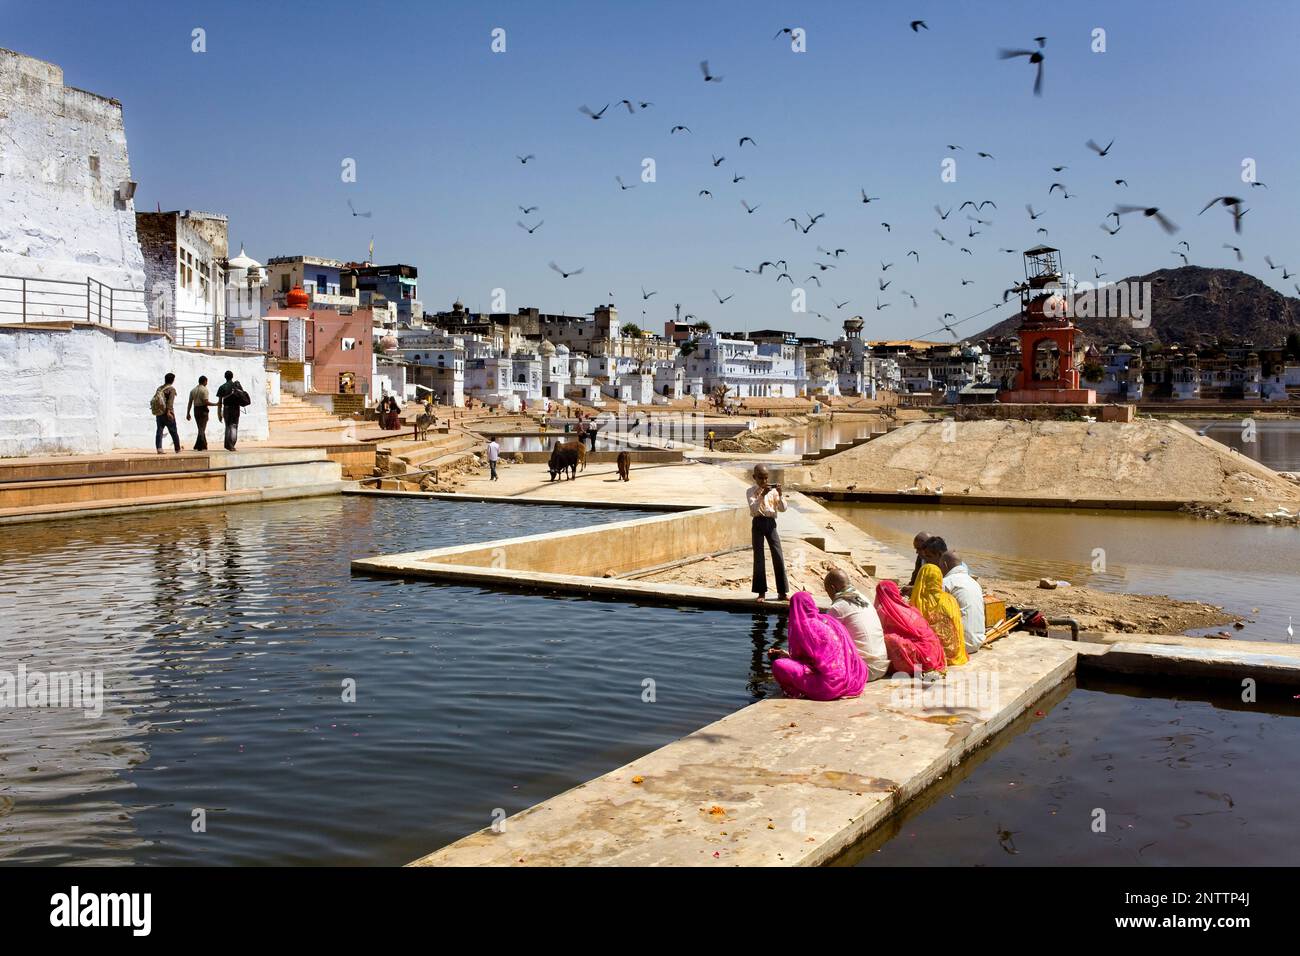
column 258, row 126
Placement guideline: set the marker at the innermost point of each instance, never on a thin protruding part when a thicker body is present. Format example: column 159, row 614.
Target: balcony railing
column 25, row 301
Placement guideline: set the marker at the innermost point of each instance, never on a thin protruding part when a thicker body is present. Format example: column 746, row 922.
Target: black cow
column 563, row 458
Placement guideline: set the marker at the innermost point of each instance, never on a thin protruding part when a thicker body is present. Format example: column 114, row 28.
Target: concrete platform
column 780, row 783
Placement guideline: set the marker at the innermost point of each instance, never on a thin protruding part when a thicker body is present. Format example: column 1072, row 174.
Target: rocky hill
column 1193, row 305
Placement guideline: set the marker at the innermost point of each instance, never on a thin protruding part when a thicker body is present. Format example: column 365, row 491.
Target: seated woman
column 942, row 612
column 823, row 662
column 911, row 643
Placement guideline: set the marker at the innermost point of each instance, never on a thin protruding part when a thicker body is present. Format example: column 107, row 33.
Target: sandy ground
column 805, row 565
column 759, row 440
column 1143, row 460
column 1106, row 611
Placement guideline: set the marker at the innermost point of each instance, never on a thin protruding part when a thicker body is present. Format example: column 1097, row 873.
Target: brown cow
column 580, row 448
column 624, row 466
column 564, row 458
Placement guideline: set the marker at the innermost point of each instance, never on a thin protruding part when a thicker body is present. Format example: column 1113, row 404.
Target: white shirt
column 764, row 505
column 494, row 450
column 863, row 625
column 970, row 598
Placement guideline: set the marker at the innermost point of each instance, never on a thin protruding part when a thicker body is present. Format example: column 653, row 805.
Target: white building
column 747, row 369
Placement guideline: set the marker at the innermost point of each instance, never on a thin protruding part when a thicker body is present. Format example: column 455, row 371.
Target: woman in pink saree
column 823, row 662
column 911, row 643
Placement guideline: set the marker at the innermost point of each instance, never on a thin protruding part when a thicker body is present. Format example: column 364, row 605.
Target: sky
column 260, row 125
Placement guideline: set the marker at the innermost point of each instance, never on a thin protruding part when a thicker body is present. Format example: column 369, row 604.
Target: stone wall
column 85, row 389
column 62, row 156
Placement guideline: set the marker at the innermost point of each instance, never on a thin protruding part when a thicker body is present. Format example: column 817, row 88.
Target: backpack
column 242, row 397
column 158, row 404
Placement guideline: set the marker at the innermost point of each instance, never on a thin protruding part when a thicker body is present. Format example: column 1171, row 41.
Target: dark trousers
column 764, row 529
column 166, row 423
column 201, row 423
column 232, row 432
column 493, row 466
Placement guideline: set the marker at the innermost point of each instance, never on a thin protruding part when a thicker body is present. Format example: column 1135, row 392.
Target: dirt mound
column 1145, row 459
column 759, row 440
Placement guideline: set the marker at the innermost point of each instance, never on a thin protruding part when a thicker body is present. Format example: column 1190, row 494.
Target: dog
column 624, row 466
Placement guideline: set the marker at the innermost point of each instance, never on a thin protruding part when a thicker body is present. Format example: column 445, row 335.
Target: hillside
column 1193, row 305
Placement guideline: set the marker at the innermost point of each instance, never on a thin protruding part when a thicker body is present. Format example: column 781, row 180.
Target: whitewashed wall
column 87, row 390
column 58, row 219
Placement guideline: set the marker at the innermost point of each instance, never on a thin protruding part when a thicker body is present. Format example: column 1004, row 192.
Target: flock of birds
column 830, row 256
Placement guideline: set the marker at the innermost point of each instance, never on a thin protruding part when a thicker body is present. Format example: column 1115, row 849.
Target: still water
column 1182, row 781
column 225, row 637
column 1275, row 443
column 1238, row 566
column 815, row 437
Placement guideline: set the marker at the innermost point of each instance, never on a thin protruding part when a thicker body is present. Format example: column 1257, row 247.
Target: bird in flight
column 879, row 306
column 966, row 282
column 621, row 185
column 706, row 194
column 721, row 299
column 883, row 284
column 814, row 278
column 1121, row 182
column 986, row 155
column 1150, row 212
column 1057, row 169
column 840, row 305
column 1181, row 255
column 528, row 209
column 676, row 129
column 747, row 139
column 524, row 159
column 885, row 224
column 1035, row 59
column 527, row 229
column 1233, row 203
column 645, row 295
column 1092, row 145
column 943, row 237
column 942, row 214
column 1237, row 250
column 708, row 77
column 630, row 107
column 586, row 111
column 918, row 25
column 1110, row 230
column 867, row 199
column 788, row 31
column 717, row 160
column 564, row 274
column 363, row 215
column 913, row 252
column 884, row 266
column 736, row 177
column 748, row 208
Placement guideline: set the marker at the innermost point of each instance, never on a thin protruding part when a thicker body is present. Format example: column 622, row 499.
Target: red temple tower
column 1047, row 370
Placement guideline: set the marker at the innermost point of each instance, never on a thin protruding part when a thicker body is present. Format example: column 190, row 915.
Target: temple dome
column 297, row 298
column 243, row 261
column 547, row 348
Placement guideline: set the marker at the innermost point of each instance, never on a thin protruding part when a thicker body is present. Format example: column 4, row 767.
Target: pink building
column 336, row 346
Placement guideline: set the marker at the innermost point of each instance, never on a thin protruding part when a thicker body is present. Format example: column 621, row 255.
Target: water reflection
column 1270, row 442
column 225, row 636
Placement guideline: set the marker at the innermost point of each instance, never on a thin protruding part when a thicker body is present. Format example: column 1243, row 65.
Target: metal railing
column 26, row 300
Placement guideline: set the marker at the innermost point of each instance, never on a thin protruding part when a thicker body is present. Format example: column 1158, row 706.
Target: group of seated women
column 835, row 654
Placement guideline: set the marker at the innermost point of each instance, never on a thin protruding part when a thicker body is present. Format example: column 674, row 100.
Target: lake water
column 1184, row 780
column 226, row 636
column 1241, row 567
column 1271, row 442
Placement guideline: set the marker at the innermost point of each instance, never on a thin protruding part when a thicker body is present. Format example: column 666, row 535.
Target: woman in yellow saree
column 941, row 611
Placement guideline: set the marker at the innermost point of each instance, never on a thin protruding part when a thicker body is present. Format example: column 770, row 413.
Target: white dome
column 243, row 261
column 547, row 347
column 561, row 349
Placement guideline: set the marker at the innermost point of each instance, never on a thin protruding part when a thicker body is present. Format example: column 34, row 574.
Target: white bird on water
column 1290, row 631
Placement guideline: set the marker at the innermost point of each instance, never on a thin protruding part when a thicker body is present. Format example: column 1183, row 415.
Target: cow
column 423, row 422
column 624, row 466
column 581, row 449
column 563, row 458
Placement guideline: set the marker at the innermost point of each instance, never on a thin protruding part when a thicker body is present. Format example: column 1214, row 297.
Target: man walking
column 231, row 398
column 198, row 406
column 163, row 406
column 765, row 502
column 493, row 453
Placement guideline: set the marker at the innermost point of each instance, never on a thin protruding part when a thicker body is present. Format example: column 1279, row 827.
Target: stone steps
column 58, row 487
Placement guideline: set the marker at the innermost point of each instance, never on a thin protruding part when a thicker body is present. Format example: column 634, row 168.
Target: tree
column 1093, row 372
column 704, row 326
column 631, row 330
column 689, row 346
